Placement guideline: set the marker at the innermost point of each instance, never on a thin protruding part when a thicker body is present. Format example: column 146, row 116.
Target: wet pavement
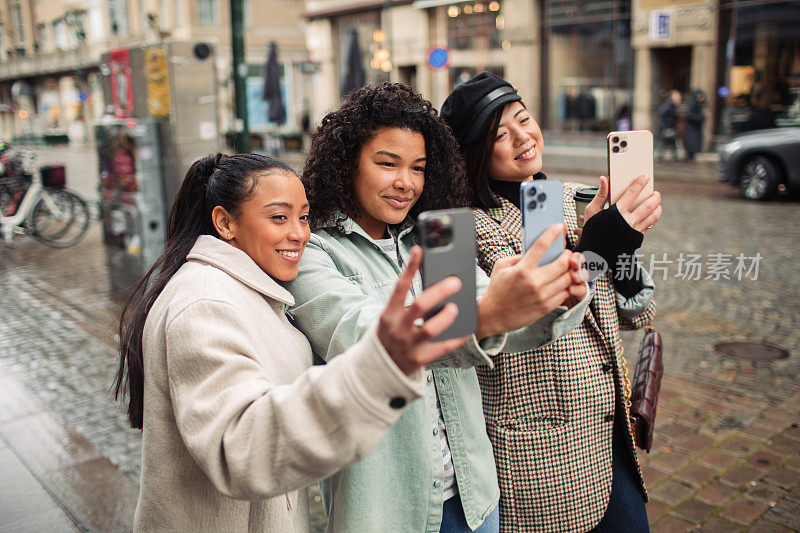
column 727, row 439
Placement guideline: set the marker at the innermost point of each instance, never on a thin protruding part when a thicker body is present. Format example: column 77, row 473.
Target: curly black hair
column 336, row 147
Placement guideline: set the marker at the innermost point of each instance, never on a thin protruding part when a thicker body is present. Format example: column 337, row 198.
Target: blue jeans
column 453, row 520
column 625, row 511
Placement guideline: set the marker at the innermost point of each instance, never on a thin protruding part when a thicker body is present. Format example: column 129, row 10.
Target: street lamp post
column 242, row 137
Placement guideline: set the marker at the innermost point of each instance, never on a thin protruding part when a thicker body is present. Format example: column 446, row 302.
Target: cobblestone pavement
column 726, row 449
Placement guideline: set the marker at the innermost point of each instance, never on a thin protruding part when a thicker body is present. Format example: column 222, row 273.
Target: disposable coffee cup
column 583, row 197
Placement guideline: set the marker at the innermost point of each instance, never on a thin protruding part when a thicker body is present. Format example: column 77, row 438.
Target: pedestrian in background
column 375, row 163
column 668, row 125
column 695, row 117
column 235, row 421
column 556, row 414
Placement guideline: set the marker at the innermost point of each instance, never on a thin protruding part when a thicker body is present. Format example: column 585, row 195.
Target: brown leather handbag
column 644, row 389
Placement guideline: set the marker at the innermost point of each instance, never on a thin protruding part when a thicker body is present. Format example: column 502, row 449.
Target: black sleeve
column 608, row 235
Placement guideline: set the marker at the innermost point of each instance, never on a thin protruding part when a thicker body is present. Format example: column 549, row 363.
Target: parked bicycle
column 55, row 216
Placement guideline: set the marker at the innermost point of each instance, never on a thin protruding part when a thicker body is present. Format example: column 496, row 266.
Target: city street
column 726, row 454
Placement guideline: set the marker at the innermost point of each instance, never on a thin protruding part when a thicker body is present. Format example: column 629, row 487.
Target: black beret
column 470, row 105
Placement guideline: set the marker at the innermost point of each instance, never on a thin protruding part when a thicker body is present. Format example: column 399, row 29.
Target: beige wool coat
column 236, row 420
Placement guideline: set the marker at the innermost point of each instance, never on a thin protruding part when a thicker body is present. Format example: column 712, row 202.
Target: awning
column 425, row 4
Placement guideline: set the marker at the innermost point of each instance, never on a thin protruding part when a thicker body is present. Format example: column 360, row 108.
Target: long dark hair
column 336, row 146
column 478, row 161
column 213, row 180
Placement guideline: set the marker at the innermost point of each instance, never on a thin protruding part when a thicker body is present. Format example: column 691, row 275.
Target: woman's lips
column 528, row 154
column 290, row 255
column 397, row 202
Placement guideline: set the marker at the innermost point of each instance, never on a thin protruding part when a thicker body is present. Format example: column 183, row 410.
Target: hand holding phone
column 630, row 155
column 448, row 240
column 542, row 203
column 409, row 346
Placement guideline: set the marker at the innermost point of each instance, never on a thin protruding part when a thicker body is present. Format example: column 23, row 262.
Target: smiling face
column 518, row 145
column 389, row 178
column 272, row 227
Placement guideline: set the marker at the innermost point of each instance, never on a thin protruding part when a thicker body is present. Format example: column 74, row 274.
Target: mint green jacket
column 343, row 286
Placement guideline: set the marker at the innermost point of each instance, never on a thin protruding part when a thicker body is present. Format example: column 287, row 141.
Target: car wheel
column 759, row 178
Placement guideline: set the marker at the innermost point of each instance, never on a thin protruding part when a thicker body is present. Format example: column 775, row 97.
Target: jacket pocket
column 526, row 391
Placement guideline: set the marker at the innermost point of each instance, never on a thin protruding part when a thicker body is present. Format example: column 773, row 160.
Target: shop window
column 118, row 15
column 590, row 76
column 207, row 13
column 474, row 25
column 763, row 74
column 16, row 22
column 40, row 43
column 576, row 11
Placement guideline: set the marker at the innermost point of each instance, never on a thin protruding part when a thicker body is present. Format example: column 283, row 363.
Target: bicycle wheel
column 62, row 226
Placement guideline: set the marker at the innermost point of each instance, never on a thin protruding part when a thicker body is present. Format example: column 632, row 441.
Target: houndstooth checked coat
column 549, row 412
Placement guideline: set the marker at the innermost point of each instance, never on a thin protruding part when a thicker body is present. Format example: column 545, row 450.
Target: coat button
column 430, row 378
column 397, row 402
column 437, row 483
column 435, row 431
column 607, row 367
column 609, row 417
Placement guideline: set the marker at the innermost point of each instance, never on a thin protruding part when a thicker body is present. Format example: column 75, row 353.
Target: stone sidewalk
column 723, row 461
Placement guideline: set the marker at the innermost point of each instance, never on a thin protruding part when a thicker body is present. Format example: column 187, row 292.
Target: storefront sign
column 438, row 57
column 660, row 25
column 157, row 72
column 121, row 85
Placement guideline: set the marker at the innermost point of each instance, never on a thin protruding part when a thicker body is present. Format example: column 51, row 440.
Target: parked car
column 759, row 162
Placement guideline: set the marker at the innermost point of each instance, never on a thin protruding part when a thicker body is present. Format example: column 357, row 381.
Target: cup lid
column 586, row 194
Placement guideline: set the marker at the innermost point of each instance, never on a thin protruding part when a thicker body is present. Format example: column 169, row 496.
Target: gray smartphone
column 448, row 241
column 542, row 203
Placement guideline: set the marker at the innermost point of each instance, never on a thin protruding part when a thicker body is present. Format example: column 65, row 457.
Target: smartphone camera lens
column 624, row 144
column 434, row 224
column 532, row 191
column 615, row 140
column 542, row 197
column 433, row 241
column 615, row 149
column 533, row 204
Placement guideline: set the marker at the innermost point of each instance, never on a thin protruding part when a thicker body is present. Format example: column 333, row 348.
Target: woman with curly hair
column 374, row 165
column 556, row 415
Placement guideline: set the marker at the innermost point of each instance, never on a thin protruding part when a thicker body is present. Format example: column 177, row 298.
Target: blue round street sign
column 438, row 57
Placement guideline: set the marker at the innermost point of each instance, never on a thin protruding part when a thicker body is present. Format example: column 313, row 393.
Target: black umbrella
column 272, row 87
column 354, row 72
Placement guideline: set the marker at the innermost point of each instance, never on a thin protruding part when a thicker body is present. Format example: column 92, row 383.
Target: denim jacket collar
column 348, row 225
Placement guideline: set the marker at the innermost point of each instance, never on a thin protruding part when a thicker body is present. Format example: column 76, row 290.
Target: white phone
column 630, row 155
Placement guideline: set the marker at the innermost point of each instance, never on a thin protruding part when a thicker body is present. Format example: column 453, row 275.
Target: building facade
column 580, row 66
column 51, row 50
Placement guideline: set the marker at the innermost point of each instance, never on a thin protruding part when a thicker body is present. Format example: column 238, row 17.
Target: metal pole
column 242, row 142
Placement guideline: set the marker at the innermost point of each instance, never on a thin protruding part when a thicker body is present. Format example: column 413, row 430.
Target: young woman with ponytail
column 235, row 421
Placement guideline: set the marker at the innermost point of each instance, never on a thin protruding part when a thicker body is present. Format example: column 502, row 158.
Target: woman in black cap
column 556, row 415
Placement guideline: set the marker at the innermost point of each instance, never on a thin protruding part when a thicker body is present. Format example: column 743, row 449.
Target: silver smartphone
column 542, row 203
column 448, row 241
